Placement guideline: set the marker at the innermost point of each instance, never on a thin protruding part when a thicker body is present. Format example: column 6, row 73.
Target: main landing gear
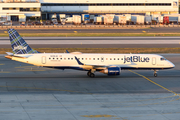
column 155, row 73
column 91, row 73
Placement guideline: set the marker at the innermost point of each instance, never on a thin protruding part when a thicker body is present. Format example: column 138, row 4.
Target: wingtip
column 67, row 51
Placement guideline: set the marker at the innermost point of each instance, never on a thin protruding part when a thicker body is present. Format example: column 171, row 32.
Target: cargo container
column 76, row 19
column 98, row 20
column 147, row 20
column 166, row 20
column 108, row 19
column 85, row 18
column 137, row 19
column 119, row 20
column 128, row 18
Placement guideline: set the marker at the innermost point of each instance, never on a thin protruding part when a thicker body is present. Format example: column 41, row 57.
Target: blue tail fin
column 18, row 44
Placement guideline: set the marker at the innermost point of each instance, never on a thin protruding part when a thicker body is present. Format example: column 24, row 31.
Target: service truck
column 62, row 18
column 107, row 19
column 147, row 20
column 128, row 18
column 173, row 18
column 98, row 20
column 92, row 18
column 54, row 19
column 137, row 19
column 85, row 18
column 76, row 19
column 119, row 19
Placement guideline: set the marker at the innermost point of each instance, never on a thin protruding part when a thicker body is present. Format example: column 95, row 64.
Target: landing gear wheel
column 88, row 73
column 155, row 74
column 92, row 75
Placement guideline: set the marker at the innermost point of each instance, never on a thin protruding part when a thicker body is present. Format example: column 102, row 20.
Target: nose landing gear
column 155, row 73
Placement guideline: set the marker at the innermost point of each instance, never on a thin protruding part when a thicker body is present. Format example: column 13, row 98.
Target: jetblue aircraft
column 110, row 64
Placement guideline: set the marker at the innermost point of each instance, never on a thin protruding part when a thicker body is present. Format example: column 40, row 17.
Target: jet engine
column 112, row 71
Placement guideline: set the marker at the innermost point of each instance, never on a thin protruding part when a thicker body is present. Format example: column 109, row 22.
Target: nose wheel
column 155, row 73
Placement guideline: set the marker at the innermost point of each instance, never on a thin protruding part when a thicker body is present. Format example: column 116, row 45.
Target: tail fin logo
column 20, row 47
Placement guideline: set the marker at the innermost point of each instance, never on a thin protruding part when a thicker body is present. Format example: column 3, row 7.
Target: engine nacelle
column 112, row 71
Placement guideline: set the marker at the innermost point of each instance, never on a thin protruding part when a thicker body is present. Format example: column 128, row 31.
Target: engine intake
column 112, row 71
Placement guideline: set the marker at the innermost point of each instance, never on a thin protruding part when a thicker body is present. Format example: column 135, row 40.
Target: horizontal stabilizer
column 9, row 53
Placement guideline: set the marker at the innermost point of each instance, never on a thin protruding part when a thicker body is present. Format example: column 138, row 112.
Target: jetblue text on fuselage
column 136, row 59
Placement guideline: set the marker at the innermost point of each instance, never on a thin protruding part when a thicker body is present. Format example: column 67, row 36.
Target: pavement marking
column 98, row 116
column 1, row 64
column 5, row 72
column 154, row 82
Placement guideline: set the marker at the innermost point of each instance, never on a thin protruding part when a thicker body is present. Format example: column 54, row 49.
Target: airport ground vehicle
column 85, row 18
column 110, row 64
column 37, row 23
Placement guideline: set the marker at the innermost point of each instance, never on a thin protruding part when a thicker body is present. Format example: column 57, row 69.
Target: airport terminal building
column 46, row 8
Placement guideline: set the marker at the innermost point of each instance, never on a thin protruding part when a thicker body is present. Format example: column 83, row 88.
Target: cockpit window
column 162, row 59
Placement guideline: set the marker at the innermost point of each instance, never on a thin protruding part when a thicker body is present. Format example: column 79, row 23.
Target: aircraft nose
column 172, row 65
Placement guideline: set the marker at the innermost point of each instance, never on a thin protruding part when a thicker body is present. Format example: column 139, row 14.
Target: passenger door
column 153, row 61
column 43, row 59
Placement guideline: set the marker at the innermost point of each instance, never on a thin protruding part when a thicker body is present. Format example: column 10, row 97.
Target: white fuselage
column 124, row 61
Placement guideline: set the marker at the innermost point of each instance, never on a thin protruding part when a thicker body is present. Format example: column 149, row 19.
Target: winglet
column 80, row 63
column 67, row 51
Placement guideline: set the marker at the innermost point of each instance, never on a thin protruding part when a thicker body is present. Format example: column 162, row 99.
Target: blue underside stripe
column 122, row 68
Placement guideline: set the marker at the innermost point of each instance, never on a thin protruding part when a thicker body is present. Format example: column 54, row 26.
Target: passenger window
column 86, row 58
column 53, row 58
column 57, row 58
column 71, row 58
column 97, row 58
column 110, row 58
column 68, row 58
column 49, row 58
column 64, row 58
column 89, row 58
column 114, row 58
column 93, row 58
column 82, row 58
column 118, row 59
column 61, row 58
column 121, row 58
column 106, row 58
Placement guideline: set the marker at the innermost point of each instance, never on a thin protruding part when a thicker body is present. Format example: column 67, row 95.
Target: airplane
column 110, row 64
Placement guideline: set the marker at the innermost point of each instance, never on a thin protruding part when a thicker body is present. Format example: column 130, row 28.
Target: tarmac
column 97, row 42
column 35, row 93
